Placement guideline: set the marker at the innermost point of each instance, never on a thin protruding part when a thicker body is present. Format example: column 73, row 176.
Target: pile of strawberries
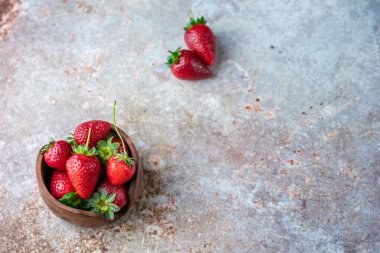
column 89, row 170
column 194, row 64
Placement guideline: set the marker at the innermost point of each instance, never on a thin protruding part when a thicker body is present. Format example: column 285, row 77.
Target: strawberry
column 108, row 200
column 99, row 128
column 102, row 202
column 200, row 39
column 120, row 167
column 84, row 168
column 60, row 184
column 106, row 149
column 187, row 65
column 56, row 153
column 120, row 191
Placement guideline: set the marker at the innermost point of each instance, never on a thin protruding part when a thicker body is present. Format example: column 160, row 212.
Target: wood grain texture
column 81, row 217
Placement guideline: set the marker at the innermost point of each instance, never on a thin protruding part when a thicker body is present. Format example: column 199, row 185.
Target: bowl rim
column 44, row 190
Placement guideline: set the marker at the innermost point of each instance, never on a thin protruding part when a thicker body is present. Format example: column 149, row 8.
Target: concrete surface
column 279, row 152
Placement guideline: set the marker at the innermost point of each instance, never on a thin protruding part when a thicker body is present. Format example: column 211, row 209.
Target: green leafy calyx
column 193, row 21
column 71, row 199
column 71, row 140
column 106, row 149
column 128, row 160
column 173, row 57
column 85, row 151
column 101, row 202
column 47, row 146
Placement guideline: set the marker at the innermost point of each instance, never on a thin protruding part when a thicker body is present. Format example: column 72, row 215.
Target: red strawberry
column 60, row 184
column 120, row 191
column 56, row 153
column 120, row 167
column 109, row 199
column 83, row 169
column 187, row 65
column 99, row 128
column 200, row 39
column 103, row 203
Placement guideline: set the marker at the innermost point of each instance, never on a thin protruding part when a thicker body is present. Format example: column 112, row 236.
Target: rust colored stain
column 254, row 108
column 291, row 162
column 316, row 154
column 329, row 135
column 248, row 107
column 9, row 10
column 156, row 160
column 85, row 7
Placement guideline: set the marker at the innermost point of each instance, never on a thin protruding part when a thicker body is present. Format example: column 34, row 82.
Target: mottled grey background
column 279, row 152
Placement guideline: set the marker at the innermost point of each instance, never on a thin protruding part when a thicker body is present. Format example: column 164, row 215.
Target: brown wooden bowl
column 81, row 217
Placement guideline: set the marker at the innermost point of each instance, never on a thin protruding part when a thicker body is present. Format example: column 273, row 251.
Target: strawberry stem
column 88, row 138
column 191, row 14
column 118, row 134
column 84, row 149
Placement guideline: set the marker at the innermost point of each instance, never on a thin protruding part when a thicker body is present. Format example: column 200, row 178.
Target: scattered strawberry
column 99, row 128
column 56, row 153
column 83, row 169
column 102, row 202
column 60, row 184
column 119, row 190
column 200, row 39
column 106, row 149
column 120, row 167
column 187, row 65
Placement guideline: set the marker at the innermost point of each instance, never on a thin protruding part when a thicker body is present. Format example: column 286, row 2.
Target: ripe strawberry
column 60, row 184
column 56, row 153
column 200, row 39
column 120, row 191
column 187, row 65
column 83, row 169
column 102, row 202
column 108, row 200
column 120, row 167
column 99, row 128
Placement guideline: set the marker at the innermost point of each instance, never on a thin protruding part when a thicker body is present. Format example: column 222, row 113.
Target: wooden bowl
column 81, row 217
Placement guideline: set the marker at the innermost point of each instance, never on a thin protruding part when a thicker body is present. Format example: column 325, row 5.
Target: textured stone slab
column 279, row 152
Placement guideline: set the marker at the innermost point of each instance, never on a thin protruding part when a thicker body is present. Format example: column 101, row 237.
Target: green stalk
column 118, row 134
column 88, row 138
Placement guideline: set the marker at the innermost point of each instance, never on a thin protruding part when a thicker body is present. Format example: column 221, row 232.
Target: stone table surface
column 278, row 152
